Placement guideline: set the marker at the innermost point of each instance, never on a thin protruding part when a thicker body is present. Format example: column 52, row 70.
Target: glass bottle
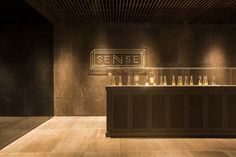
column 191, row 81
column 154, row 79
column 151, row 80
column 113, row 80
column 165, row 82
column 213, row 80
column 146, row 81
column 129, row 80
column 136, row 79
column 109, row 78
column 185, row 80
column 120, row 81
column 173, row 80
column 161, row 80
column 180, row 80
column 206, row 81
column 203, row 81
column 200, row 80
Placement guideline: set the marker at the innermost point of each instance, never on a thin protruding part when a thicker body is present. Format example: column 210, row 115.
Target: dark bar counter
column 171, row 111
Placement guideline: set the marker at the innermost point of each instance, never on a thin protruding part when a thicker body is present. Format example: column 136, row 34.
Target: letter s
column 127, row 59
column 99, row 59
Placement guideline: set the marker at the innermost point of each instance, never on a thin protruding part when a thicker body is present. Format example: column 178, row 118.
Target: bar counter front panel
column 171, row 111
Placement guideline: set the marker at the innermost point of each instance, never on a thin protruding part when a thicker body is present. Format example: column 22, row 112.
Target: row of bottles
column 161, row 80
column 189, row 81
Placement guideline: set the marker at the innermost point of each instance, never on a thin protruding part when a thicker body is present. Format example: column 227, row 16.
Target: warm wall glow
column 64, row 83
column 215, row 57
column 100, row 39
column 149, row 42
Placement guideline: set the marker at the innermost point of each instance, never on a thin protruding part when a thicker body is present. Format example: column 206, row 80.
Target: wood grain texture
column 12, row 128
column 53, row 139
column 191, row 111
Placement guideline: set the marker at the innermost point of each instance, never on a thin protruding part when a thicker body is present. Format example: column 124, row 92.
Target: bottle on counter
column 128, row 80
column 173, row 80
column 165, row 81
column 151, row 80
column 185, row 80
column 191, row 81
column 136, row 80
column 161, row 80
column 109, row 78
column 146, row 81
column 205, row 81
column 180, row 80
column 199, row 80
column 213, row 82
column 120, row 80
column 154, row 77
column 113, row 80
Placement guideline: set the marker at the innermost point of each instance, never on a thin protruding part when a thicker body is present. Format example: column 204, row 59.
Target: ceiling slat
column 76, row 11
column 150, row 12
column 67, row 7
column 137, row 11
column 85, row 11
column 43, row 11
column 80, row 11
column 199, row 13
column 182, row 12
column 169, row 8
column 154, row 16
column 147, row 9
column 130, row 11
column 160, row 10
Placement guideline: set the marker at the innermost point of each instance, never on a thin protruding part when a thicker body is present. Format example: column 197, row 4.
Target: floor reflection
column 11, row 128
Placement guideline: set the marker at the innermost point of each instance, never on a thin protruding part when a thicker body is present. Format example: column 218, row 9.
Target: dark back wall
column 26, row 61
column 77, row 92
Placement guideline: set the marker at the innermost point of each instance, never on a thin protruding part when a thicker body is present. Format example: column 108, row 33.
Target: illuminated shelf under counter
column 171, row 111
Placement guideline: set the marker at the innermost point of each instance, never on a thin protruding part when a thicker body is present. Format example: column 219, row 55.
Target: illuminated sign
column 103, row 58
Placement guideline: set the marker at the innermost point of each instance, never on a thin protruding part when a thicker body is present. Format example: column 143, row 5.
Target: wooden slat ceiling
column 137, row 11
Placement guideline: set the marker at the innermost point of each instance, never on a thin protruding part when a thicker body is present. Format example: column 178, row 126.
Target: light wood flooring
column 85, row 137
column 12, row 128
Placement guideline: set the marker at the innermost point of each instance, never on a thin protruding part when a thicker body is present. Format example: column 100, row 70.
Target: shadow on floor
column 12, row 128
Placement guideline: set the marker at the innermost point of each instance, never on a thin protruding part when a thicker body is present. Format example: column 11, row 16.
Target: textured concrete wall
column 78, row 93
column 26, row 63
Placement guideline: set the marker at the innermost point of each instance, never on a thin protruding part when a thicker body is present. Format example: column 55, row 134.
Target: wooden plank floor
column 11, row 128
column 85, row 137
